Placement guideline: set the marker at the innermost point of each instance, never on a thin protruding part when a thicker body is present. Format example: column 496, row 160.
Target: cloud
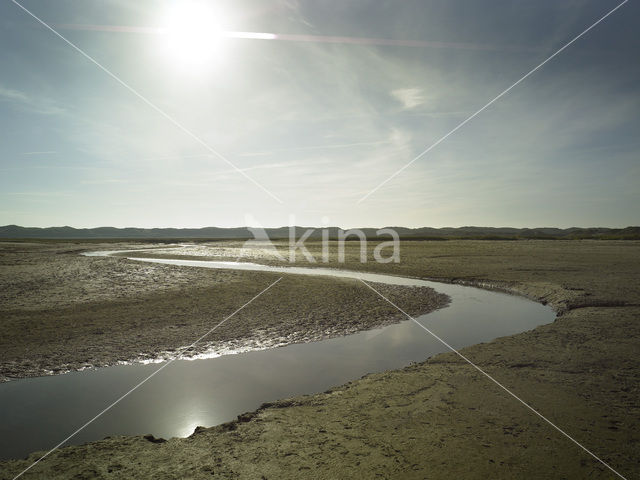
column 409, row 97
column 38, row 194
column 37, row 105
column 104, row 181
column 313, row 147
column 15, row 95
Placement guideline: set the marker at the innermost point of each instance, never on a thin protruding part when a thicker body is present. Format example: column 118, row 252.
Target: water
column 37, row 413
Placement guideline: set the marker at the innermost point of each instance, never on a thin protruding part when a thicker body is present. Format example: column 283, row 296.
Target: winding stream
column 37, row 413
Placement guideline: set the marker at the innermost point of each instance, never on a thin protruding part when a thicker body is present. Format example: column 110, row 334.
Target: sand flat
column 442, row 418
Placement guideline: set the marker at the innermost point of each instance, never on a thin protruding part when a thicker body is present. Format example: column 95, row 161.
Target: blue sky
column 321, row 117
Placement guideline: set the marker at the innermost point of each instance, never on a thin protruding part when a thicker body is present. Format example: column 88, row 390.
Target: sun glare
column 192, row 36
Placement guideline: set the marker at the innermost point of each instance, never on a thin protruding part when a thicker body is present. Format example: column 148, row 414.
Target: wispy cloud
column 409, row 97
column 313, row 147
column 38, row 194
column 284, row 166
column 37, row 105
column 46, row 152
column 14, row 95
column 104, row 181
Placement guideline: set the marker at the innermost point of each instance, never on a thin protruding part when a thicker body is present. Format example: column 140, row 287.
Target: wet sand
column 62, row 311
column 442, row 418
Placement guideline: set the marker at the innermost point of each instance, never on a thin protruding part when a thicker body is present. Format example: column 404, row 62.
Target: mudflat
column 438, row 419
column 63, row 311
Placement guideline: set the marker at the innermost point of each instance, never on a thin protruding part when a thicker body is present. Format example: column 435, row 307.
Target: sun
column 192, row 35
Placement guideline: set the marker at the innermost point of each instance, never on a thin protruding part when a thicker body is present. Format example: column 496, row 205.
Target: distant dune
column 216, row 233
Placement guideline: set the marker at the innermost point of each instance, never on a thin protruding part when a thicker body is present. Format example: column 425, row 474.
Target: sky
column 272, row 112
